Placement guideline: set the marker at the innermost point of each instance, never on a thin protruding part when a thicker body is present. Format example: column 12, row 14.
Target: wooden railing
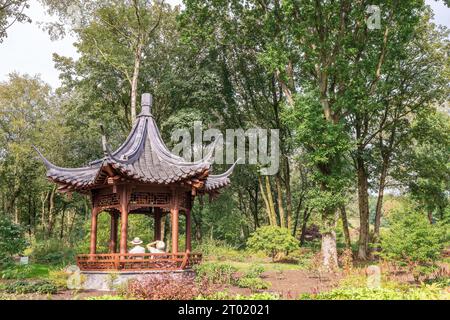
column 137, row 261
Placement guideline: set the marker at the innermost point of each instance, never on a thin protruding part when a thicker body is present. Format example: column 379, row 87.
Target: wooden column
column 93, row 245
column 174, row 219
column 157, row 228
column 188, row 230
column 113, row 232
column 123, row 219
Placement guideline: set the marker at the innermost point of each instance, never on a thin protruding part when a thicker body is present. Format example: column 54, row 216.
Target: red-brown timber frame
column 122, row 200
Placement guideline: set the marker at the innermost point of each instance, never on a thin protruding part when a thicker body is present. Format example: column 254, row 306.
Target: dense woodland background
column 363, row 115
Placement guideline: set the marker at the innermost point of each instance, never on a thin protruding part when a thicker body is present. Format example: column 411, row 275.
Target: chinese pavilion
column 141, row 177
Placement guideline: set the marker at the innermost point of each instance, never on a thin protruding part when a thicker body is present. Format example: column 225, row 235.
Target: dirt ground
column 292, row 283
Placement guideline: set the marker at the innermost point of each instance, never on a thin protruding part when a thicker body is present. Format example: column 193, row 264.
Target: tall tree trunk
column 134, row 82
column 51, row 212
column 270, row 200
column 16, row 214
column 379, row 207
column 44, row 199
column 306, row 215
column 266, row 202
column 348, row 242
column 430, row 216
column 329, row 247
column 363, row 203
column 287, row 182
column 280, row 201
column 61, row 232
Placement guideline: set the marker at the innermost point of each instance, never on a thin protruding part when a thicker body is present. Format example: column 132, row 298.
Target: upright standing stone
column 373, row 277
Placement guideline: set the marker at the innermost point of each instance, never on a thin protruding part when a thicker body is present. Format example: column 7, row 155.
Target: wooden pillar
column 123, row 219
column 157, row 228
column 174, row 219
column 113, row 232
column 93, row 245
column 188, row 230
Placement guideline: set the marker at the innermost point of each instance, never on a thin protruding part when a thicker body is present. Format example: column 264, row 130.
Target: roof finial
column 104, row 142
column 146, row 103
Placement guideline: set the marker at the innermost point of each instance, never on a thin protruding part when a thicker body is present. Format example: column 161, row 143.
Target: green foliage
column 25, row 271
column 219, row 250
column 254, row 271
column 251, row 279
column 272, row 240
column 224, row 295
column 424, row 292
column 411, row 239
column 215, row 273
column 23, row 287
column 12, row 240
column 107, row 297
column 254, row 284
column 59, row 278
column 52, row 252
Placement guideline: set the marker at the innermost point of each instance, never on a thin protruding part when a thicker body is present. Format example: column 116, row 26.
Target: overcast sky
column 27, row 49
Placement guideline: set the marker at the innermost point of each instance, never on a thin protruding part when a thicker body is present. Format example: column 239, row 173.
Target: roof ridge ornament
column 146, row 104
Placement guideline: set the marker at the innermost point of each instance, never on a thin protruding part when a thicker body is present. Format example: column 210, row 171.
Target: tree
column 425, row 169
column 11, row 11
column 12, row 240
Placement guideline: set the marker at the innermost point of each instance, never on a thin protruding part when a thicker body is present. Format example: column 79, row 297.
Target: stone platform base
column 109, row 281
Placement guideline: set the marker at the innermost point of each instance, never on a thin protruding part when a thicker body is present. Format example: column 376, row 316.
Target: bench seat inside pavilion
column 141, row 177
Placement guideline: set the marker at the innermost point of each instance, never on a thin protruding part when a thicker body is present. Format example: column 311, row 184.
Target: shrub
column 52, row 252
column 272, row 240
column 412, row 240
column 254, row 271
column 254, row 284
column 215, row 273
column 22, row 287
column 12, row 241
column 59, row 278
column 164, row 288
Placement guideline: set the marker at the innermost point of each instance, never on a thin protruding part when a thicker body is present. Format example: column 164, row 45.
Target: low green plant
column 424, row 292
column 59, row 278
column 258, row 296
column 219, row 250
column 254, row 284
column 225, row 295
column 23, row 287
column 255, row 271
column 273, row 240
column 25, row 271
column 16, row 272
column 251, row 279
column 106, row 297
column 215, row 273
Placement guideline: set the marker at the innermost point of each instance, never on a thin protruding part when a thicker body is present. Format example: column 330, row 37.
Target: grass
column 30, row 271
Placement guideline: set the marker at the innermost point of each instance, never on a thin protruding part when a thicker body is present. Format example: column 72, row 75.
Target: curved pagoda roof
column 142, row 158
